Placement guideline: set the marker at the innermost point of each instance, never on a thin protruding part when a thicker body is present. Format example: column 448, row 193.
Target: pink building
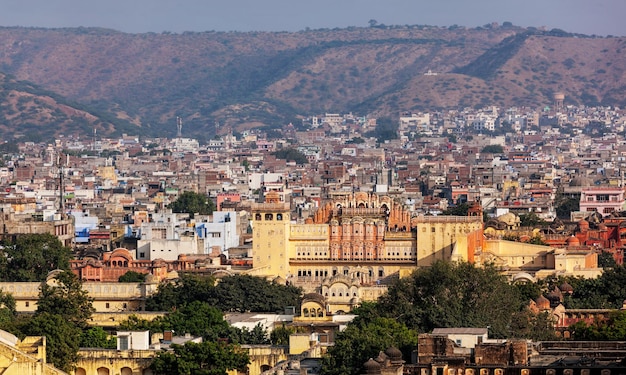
column 603, row 200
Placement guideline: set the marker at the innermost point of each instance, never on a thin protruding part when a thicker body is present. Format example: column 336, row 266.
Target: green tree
column 199, row 319
column 192, row 203
column 606, row 260
column 611, row 329
column 459, row 210
column 62, row 338
column 386, row 129
column 7, row 312
column 96, row 337
column 135, row 323
column 537, row 240
column 31, row 257
column 604, row 292
column 291, row 154
column 65, row 296
column 531, row 220
column 205, row 358
column 533, row 326
column 133, row 277
column 243, row 293
column 256, row 336
column 355, row 141
column 186, row 289
column 565, row 206
column 358, row 342
column 493, row 149
column 453, row 294
column 280, row 335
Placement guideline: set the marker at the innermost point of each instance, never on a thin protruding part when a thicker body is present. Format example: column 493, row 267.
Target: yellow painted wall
column 270, row 239
column 299, row 342
column 437, row 236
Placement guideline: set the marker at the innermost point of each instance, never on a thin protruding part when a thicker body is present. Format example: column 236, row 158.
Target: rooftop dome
column 372, row 367
column 542, row 302
column 566, row 288
column 583, row 224
column 573, row 241
column 509, row 218
column 394, row 354
column 314, row 297
column 555, row 294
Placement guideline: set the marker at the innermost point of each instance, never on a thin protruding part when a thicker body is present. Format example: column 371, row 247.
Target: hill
column 140, row 83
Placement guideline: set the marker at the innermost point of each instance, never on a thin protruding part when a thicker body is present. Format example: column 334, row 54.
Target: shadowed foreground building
column 24, row 357
column 439, row 355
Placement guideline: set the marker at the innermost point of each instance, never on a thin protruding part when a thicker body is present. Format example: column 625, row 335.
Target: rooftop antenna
column 179, row 126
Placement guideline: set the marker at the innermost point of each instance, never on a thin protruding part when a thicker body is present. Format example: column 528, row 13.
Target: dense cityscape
column 476, row 241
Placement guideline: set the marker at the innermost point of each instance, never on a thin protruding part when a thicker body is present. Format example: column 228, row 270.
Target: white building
column 166, row 237
column 221, row 233
column 133, row 340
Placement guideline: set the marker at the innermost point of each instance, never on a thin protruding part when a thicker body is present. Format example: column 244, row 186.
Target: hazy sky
column 600, row 17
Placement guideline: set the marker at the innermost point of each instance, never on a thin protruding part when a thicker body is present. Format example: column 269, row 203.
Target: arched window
column 269, row 217
column 305, row 312
column 257, row 217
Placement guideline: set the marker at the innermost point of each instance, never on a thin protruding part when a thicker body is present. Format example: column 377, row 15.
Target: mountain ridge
column 140, row 83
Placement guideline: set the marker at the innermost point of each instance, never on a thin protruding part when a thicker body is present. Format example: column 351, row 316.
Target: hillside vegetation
column 85, row 78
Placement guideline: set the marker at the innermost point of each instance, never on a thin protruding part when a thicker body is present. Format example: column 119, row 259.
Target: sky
column 599, row 17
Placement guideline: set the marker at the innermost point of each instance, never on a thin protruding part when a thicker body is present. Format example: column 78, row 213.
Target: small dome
column 542, row 302
column 510, row 219
column 314, row 297
column 566, row 288
column 583, row 224
column 555, row 294
column 394, row 354
column 372, row 367
column 279, row 280
column 573, row 241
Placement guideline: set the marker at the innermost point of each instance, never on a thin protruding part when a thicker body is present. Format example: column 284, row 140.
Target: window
column 27, row 303
column 142, row 255
column 159, row 233
column 106, row 305
column 123, row 342
column 216, row 235
column 269, row 217
column 279, row 216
